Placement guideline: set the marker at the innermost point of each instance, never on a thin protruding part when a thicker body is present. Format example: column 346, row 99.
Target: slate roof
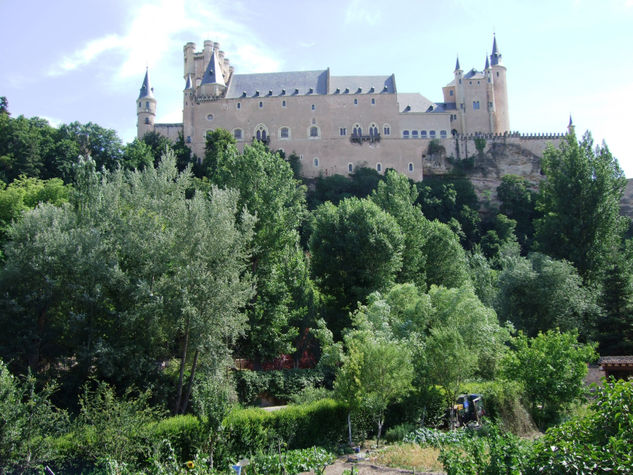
column 362, row 84
column 474, row 74
column 213, row 73
column 277, row 84
column 443, row 107
column 146, row 89
column 413, row 102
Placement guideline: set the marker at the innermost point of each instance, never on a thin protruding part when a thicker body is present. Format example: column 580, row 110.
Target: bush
column 437, row 438
column 399, row 432
column 293, row 461
column 184, row 434
column 252, row 430
column 280, row 385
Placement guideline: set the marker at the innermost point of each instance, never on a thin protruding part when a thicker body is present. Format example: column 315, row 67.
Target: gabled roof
column 474, row 74
column 362, row 84
column 147, row 91
column 413, row 102
column 278, row 84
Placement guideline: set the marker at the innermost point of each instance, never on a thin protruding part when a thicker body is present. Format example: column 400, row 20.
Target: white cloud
column 358, row 12
column 158, row 29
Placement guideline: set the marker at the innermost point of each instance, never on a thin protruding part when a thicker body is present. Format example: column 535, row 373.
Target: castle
column 337, row 123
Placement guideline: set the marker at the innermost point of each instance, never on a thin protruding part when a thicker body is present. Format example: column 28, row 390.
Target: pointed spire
column 188, row 84
column 146, row 89
column 571, row 128
column 571, row 122
column 213, row 74
column 457, row 67
column 495, row 57
column 487, row 63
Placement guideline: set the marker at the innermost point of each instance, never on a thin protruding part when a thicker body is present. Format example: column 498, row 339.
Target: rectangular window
column 405, row 134
column 237, row 133
column 284, row 132
column 414, row 134
column 386, row 130
column 475, row 105
column 432, row 133
column 313, row 107
column 283, row 103
column 342, row 131
column 443, row 134
column 261, row 104
column 355, row 101
column 239, row 105
column 373, row 101
column 451, row 93
column 423, row 133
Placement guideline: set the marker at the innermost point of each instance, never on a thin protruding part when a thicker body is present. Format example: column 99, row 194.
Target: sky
column 84, row 61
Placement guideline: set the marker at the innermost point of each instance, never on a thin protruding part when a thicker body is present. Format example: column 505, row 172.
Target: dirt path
column 367, row 468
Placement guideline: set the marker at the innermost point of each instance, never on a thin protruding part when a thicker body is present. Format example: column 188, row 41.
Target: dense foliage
column 134, row 276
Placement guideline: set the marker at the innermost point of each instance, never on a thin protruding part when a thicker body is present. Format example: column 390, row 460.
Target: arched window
column 314, row 131
column 405, row 134
column 357, row 131
column 432, row 133
column 423, row 134
column 379, row 167
column 350, row 167
column 443, row 134
column 316, row 162
column 414, row 134
column 373, row 130
column 410, row 166
column 261, row 133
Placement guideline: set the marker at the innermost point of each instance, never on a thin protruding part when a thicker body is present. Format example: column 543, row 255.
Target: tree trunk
column 381, row 421
column 349, row 427
column 194, row 365
column 183, row 361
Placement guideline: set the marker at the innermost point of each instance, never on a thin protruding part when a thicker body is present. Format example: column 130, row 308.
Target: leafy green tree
column 518, row 202
column 101, row 144
column 130, row 256
column 501, row 236
column 268, row 190
column 375, row 373
column 539, row 293
column 137, row 155
column 397, row 197
column 159, row 145
column 28, row 421
column 446, row 263
column 551, row 367
column 218, row 146
column 483, row 277
column 449, row 361
column 580, row 201
column 356, row 248
column 4, row 106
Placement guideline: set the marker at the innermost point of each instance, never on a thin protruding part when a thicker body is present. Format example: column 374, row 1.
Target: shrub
column 399, row 432
column 437, row 438
column 293, row 461
column 280, row 384
column 184, row 434
column 252, row 430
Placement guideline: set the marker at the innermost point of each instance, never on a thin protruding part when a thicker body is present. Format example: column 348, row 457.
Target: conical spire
column 146, row 89
column 188, row 84
column 571, row 128
column 495, row 57
column 213, row 74
column 457, row 68
column 571, row 122
column 487, row 63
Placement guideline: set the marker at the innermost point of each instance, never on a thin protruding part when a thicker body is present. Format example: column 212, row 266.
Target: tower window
column 140, row 104
column 239, row 105
column 378, row 167
column 313, row 107
column 350, row 167
column 373, row 101
column 450, row 93
column 147, row 120
column 355, row 101
column 497, row 73
column 316, row 162
column 283, row 103
column 147, row 104
column 410, row 166
column 261, row 104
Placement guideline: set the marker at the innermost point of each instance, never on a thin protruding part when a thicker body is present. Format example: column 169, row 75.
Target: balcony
column 359, row 139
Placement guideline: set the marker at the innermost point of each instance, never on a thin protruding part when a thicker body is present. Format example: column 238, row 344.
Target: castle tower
column 501, row 116
column 490, row 94
column 212, row 83
column 145, row 108
column 459, row 97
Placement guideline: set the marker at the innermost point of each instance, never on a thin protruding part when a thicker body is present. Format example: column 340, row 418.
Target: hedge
column 279, row 384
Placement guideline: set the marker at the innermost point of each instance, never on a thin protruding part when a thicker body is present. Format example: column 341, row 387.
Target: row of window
column 260, row 104
column 261, row 133
column 350, row 166
column 372, row 130
column 422, row 134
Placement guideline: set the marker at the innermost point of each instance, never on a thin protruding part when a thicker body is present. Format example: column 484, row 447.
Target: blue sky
column 84, row 60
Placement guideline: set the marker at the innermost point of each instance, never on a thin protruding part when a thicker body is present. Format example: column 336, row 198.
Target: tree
column 130, row 273
column 375, row 373
column 551, row 367
column 137, row 155
column 4, row 106
column 268, row 190
column 518, row 202
column 446, row 263
column 218, row 145
column 101, row 144
column 580, row 201
column 397, row 197
column 356, row 248
column 539, row 293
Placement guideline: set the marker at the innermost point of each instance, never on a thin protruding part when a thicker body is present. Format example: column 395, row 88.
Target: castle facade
column 333, row 123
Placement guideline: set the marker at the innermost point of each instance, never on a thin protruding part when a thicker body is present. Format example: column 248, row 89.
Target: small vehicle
column 469, row 409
